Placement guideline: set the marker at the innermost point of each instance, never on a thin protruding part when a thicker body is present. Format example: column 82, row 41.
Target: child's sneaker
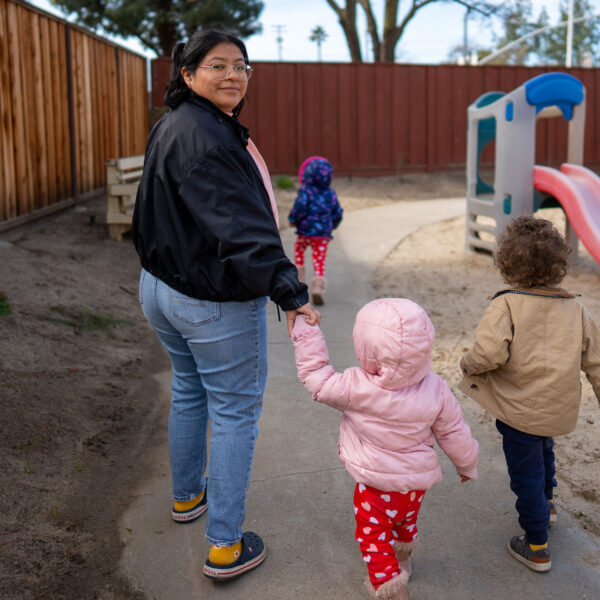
column 536, row 560
column 553, row 513
column 186, row 512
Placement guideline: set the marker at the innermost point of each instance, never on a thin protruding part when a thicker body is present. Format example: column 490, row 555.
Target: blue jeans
column 218, row 352
column 530, row 462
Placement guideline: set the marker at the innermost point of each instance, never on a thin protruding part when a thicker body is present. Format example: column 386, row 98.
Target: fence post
column 119, row 106
column 71, row 97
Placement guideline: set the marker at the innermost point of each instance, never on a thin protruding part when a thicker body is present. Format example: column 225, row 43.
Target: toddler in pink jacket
column 393, row 407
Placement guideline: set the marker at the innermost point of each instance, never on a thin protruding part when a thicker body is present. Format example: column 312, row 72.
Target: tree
column 384, row 46
column 160, row 24
column 347, row 19
column 546, row 43
column 586, row 35
column 516, row 21
column 319, row 35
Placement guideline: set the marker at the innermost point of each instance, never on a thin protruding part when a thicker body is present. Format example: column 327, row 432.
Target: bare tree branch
column 372, row 27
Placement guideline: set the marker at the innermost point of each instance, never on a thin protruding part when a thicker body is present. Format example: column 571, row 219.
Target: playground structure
column 520, row 186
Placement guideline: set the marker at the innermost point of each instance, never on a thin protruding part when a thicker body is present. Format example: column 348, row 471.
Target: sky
column 430, row 37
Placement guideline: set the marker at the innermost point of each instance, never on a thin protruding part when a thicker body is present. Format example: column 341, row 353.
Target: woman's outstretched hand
column 313, row 316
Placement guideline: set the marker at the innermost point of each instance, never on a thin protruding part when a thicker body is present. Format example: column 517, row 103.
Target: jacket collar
column 242, row 132
column 543, row 292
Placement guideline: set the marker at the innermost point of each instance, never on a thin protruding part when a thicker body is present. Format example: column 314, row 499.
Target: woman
column 205, row 228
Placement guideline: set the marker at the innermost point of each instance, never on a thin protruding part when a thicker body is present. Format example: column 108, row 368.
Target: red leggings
column 318, row 247
column 382, row 519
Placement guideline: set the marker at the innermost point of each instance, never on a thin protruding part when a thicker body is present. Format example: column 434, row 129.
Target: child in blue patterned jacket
column 316, row 213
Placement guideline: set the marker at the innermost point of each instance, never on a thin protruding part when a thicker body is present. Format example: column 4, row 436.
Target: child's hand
column 464, row 478
column 303, row 316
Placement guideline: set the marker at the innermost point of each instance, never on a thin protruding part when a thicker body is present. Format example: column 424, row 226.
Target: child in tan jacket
column 524, row 368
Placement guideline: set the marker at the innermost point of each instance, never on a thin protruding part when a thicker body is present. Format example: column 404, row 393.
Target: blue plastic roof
column 554, row 89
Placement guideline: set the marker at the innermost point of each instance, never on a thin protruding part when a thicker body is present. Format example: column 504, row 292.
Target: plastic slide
column 578, row 191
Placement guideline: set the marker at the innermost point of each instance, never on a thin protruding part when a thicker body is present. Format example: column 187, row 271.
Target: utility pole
column 280, row 29
column 484, row 8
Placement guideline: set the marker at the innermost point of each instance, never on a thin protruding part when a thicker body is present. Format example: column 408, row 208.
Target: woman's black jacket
column 203, row 221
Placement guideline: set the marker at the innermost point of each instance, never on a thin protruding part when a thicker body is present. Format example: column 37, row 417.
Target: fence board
column 38, row 167
column 49, row 132
column 22, row 168
column 39, row 147
column 8, row 187
column 65, row 155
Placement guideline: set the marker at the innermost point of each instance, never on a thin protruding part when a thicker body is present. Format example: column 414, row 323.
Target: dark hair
column 532, row 253
column 190, row 55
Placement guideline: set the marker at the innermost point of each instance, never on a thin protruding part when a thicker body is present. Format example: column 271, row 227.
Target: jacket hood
column 393, row 340
column 318, row 173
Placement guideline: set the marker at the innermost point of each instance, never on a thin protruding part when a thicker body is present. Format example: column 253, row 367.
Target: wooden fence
column 380, row 119
column 69, row 101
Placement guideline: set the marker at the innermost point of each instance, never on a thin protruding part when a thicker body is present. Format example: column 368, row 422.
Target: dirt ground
column 79, row 405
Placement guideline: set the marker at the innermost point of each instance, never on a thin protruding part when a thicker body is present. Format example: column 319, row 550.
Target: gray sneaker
column 536, row 560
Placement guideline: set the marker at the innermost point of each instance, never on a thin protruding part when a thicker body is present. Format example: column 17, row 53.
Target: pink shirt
column 264, row 172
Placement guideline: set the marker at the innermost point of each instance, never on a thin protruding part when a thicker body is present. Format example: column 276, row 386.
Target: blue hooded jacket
column 316, row 211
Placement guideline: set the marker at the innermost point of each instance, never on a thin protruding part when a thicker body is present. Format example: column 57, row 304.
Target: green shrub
column 5, row 307
column 285, row 182
column 81, row 318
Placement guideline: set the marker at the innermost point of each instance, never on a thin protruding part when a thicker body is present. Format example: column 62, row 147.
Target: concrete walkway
column 300, row 497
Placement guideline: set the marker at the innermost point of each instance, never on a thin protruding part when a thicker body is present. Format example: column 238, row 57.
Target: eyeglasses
column 220, row 71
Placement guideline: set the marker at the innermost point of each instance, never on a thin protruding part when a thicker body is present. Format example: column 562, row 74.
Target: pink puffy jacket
column 393, row 404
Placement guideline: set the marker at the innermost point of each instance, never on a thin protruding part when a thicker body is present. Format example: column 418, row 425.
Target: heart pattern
column 384, row 519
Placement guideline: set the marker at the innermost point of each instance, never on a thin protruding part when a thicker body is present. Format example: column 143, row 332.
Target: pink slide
column 578, row 191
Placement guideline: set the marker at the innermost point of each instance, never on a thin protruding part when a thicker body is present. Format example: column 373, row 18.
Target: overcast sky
column 429, row 38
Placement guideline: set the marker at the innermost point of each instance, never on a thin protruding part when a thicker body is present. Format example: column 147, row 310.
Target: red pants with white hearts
column 318, row 247
column 382, row 519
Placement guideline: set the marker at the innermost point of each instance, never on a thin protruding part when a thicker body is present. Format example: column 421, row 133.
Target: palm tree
column 318, row 34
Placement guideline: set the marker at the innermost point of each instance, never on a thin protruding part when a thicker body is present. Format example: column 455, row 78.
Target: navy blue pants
column 530, row 462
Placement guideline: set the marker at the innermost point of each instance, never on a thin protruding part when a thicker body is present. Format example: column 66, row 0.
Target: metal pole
column 569, row 61
column 466, row 37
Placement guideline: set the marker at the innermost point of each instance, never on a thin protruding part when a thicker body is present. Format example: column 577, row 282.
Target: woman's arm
column 235, row 218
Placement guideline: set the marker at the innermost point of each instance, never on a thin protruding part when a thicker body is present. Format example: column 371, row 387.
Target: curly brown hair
column 531, row 253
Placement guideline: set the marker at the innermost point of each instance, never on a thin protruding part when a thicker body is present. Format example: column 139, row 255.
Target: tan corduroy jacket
column 524, row 367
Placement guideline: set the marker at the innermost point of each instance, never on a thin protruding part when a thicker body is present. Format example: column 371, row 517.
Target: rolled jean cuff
column 537, row 537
